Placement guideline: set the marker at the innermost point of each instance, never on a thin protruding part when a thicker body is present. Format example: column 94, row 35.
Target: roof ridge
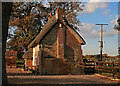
column 47, row 27
column 52, row 21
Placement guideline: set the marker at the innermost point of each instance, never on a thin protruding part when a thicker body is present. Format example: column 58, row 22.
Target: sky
column 97, row 13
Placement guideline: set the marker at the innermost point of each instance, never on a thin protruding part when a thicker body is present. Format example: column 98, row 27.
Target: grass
column 110, row 75
column 20, row 63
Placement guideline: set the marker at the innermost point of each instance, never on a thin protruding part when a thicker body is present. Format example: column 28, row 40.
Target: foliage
column 29, row 18
column 70, row 10
column 117, row 27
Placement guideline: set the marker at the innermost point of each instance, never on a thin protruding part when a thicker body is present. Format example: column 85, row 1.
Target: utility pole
column 101, row 42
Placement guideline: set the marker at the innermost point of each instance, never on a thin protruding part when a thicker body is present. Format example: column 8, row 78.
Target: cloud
column 106, row 12
column 91, row 31
column 114, row 21
column 110, row 32
column 88, row 31
column 93, row 5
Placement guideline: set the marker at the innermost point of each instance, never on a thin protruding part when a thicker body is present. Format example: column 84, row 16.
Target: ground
column 19, row 76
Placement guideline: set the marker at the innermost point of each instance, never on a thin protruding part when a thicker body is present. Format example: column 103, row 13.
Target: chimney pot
column 59, row 13
column 50, row 16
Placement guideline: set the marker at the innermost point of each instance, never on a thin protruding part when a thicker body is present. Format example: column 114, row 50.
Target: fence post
column 101, row 64
column 119, row 68
column 119, row 57
column 113, row 69
column 98, row 67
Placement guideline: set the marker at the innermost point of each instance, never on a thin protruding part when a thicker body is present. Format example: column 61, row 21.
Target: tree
column 70, row 10
column 117, row 27
column 6, row 9
column 28, row 22
column 30, row 17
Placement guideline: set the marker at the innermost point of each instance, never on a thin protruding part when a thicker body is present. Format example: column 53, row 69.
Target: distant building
column 56, row 49
column 10, row 58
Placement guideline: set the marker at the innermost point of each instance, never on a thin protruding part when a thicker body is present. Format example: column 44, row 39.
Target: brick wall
column 73, row 47
column 73, row 52
column 60, row 43
column 69, row 48
column 10, row 61
column 29, row 63
column 54, row 66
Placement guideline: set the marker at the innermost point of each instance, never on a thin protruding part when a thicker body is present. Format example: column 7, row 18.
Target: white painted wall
column 38, row 47
column 38, row 54
column 33, row 56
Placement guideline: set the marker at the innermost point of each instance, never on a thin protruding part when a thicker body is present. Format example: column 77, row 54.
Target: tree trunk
column 6, row 10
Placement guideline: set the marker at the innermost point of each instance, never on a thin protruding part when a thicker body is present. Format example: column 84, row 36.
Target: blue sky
column 95, row 13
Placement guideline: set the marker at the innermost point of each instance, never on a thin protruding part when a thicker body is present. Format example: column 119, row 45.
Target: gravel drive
column 19, row 76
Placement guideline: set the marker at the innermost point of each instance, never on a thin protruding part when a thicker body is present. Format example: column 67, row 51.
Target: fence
column 11, row 58
column 89, row 67
column 109, row 69
column 103, row 68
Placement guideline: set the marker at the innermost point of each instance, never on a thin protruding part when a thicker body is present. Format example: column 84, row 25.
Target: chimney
column 59, row 14
column 50, row 16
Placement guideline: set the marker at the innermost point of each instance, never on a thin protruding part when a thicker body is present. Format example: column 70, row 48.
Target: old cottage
column 56, row 49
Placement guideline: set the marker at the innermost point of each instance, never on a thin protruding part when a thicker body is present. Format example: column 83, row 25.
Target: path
column 18, row 76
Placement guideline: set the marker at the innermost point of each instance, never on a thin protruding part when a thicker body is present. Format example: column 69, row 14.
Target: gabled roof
column 28, row 53
column 44, row 30
column 53, row 20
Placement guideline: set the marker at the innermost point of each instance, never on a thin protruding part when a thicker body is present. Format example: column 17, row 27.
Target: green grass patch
column 110, row 75
column 20, row 61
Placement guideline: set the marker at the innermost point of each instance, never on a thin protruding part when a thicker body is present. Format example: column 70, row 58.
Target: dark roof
column 44, row 30
column 48, row 26
column 28, row 53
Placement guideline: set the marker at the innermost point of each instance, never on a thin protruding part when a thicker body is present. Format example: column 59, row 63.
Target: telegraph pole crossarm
column 101, row 42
